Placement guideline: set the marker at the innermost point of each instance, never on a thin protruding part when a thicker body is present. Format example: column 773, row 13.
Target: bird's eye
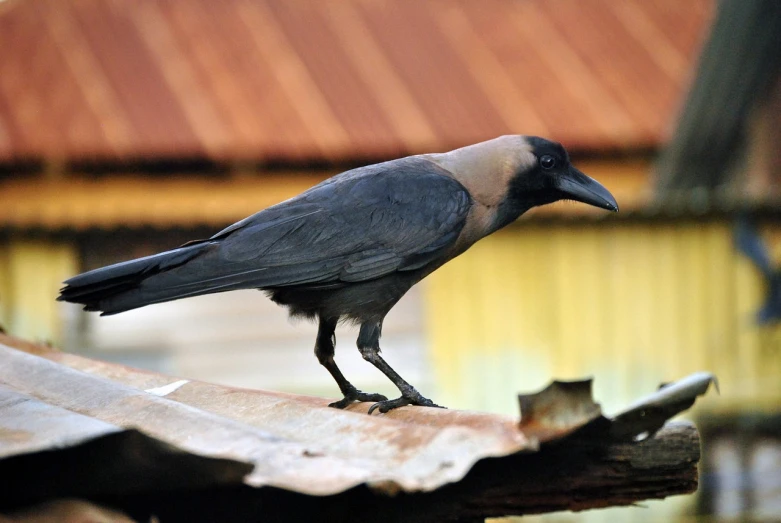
column 548, row 162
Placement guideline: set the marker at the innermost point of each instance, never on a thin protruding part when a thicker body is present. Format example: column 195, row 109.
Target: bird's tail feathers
column 116, row 288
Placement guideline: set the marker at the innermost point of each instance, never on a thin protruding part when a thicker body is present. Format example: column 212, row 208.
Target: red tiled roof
column 311, row 80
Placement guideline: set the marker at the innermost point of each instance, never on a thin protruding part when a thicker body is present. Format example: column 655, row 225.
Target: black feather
column 349, row 248
column 359, row 226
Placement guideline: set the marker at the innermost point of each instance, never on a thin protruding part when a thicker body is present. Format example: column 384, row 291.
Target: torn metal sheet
column 292, row 442
column 558, row 409
column 645, row 417
column 295, row 442
column 564, row 407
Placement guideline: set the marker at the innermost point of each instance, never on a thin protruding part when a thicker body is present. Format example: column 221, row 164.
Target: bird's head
column 546, row 176
column 513, row 173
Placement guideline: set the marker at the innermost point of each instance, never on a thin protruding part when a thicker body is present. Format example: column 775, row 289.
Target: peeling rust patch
column 558, row 409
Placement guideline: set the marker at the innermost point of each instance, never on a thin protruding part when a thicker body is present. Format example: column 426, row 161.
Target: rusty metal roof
column 299, row 80
column 107, row 417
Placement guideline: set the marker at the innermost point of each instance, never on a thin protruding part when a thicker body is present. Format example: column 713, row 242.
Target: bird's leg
column 369, row 345
column 324, row 350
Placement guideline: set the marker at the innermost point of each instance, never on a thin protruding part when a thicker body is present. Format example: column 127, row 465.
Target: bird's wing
column 749, row 242
column 395, row 216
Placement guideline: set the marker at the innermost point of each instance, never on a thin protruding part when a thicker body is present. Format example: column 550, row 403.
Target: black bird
column 350, row 247
column 749, row 242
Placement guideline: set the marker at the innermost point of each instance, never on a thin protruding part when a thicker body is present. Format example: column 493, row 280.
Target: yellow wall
column 631, row 303
column 31, row 273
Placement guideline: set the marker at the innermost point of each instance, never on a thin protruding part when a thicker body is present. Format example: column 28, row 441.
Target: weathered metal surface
column 30, row 425
column 46, row 446
column 558, row 409
column 564, row 407
column 294, row 442
column 644, row 418
column 302, row 79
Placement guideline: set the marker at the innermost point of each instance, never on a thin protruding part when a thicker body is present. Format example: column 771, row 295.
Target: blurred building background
column 131, row 127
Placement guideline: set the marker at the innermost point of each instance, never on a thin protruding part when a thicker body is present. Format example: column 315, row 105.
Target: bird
column 347, row 249
column 749, row 242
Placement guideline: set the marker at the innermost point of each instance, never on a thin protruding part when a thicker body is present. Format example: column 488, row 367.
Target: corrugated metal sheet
column 635, row 301
column 296, row 443
column 52, row 400
column 302, row 79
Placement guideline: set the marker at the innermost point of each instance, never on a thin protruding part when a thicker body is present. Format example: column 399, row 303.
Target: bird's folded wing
column 368, row 223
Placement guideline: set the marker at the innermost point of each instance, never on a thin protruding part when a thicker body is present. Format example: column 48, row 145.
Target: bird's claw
column 356, row 395
column 411, row 399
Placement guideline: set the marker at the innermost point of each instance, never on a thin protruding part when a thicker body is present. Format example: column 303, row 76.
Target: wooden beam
column 572, row 474
column 579, row 474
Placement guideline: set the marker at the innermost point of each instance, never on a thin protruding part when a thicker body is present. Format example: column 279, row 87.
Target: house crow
column 350, row 247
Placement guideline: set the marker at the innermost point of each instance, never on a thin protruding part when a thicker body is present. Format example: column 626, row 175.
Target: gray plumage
column 350, row 247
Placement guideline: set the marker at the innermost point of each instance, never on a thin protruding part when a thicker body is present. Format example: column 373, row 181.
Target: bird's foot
column 412, row 397
column 353, row 395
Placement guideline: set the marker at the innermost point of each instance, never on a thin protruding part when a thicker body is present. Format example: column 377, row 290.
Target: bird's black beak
column 577, row 186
